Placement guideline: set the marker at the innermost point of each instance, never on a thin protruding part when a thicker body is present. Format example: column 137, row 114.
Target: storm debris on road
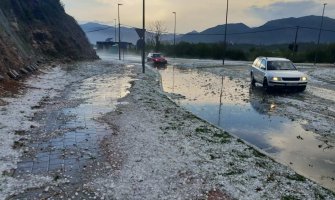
column 81, row 135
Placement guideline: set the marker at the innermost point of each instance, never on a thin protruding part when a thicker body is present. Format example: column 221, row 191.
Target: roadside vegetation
column 305, row 53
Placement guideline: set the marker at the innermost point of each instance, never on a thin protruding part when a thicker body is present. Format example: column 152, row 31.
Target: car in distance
column 156, row 58
column 277, row 73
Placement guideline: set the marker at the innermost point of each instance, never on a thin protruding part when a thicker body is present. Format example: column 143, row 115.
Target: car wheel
column 253, row 81
column 266, row 85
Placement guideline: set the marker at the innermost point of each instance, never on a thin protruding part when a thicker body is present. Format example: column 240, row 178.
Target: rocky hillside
column 36, row 30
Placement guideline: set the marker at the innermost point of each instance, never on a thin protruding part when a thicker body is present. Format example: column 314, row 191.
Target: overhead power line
column 241, row 33
column 220, row 34
column 327, row 30
column 101, row 29
column 147, row 30
column 260, row 31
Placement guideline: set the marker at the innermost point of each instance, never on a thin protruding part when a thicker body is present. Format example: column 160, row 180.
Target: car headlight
column 304, row 78
column 276, row 78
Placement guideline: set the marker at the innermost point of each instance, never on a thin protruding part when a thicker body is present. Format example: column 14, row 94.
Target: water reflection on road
column 248, row 114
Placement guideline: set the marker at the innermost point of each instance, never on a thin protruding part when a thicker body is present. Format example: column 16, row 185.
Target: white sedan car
column 277, row 73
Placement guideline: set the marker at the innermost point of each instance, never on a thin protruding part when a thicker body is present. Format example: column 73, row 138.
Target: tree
column 157, row 28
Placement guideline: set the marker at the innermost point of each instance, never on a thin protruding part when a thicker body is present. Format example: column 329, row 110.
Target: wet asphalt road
column 296, row 129
column 67, row 143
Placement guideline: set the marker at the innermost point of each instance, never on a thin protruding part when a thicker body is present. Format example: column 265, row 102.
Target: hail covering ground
column 15, row 116
column 156, row 149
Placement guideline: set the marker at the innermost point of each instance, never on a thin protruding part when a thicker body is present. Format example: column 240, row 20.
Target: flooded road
column 67, row 142
column 104, row 130
column 224, row 98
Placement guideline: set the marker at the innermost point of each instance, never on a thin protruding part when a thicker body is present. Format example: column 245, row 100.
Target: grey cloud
column 288, row 9
column 85, row 4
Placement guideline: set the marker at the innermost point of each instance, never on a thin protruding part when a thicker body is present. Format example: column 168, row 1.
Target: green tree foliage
column 201, row 50
column 306, row 52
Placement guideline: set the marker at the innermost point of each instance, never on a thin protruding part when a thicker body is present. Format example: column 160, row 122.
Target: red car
column 156, row 58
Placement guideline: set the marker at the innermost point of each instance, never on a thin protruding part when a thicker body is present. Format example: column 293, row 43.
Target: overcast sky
column 194, row 14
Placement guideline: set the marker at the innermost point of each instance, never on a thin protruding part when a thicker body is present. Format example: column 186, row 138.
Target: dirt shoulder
column 160, row 150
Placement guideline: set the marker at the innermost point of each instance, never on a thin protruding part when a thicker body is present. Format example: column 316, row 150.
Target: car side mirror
column 263, row 68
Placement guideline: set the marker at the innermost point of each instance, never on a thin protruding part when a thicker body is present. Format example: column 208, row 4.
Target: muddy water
column 250, row 115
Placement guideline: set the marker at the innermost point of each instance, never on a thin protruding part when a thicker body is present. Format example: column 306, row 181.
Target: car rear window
column 280, row 65
column 156, row 55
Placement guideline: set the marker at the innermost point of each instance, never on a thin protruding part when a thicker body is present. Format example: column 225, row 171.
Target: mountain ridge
column 127, row 34
column 236, row 33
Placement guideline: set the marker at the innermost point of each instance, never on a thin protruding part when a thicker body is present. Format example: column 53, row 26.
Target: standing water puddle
column 249, row 115
column 71, row 123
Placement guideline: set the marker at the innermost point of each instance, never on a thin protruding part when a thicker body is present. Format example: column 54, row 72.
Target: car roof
column 273, row 58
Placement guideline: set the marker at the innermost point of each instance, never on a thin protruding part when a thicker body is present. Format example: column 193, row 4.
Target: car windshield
column 156, row 55
column 280, row 65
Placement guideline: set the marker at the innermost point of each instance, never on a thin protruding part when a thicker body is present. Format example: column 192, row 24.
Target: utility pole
column 220, row 105
column 143, row 50
column 295, row 47
column 317, row 47
column 174, row 36
column 225, row 34
column 115, row 29
column 118, row 14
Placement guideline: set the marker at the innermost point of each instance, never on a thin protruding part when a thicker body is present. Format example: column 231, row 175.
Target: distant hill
column 236, row 33
column 273, row 32
column 106, row 31
column 208, row 35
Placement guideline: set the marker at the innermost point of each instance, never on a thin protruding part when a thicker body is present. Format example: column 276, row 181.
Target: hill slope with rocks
column 33, row 31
